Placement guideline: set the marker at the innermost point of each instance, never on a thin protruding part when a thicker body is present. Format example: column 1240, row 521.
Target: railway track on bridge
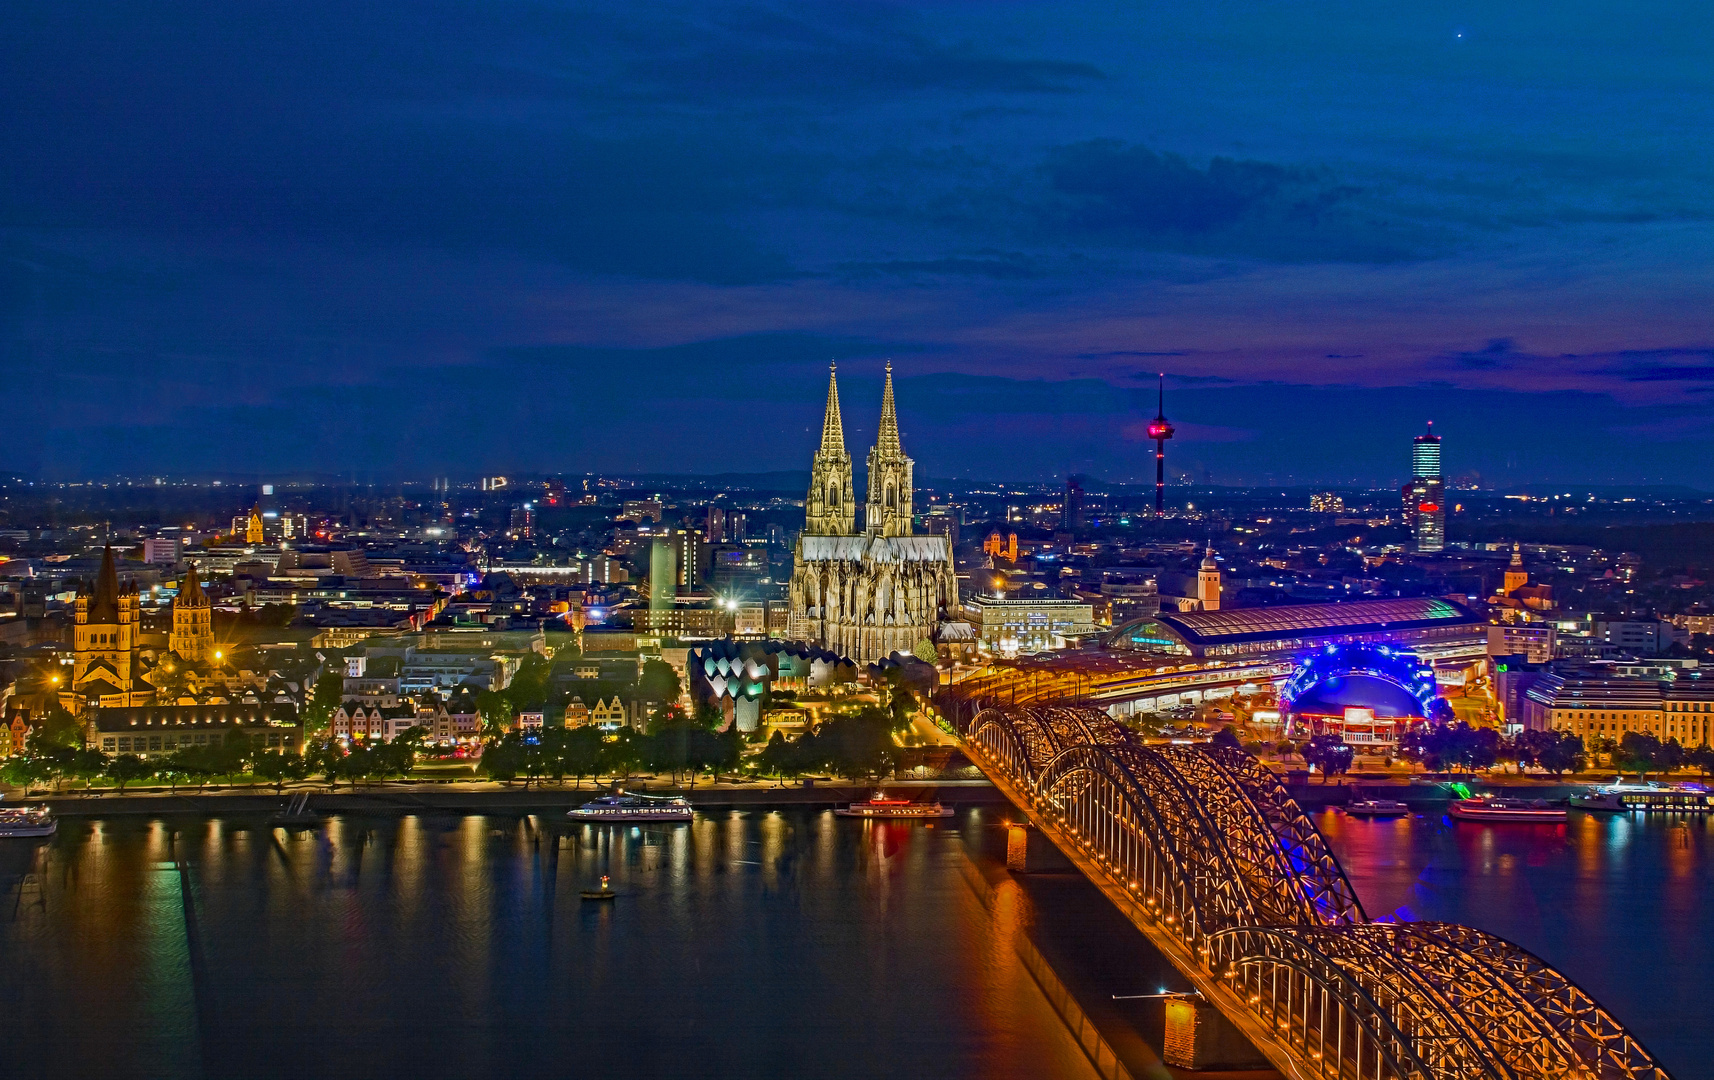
column 1205, row 852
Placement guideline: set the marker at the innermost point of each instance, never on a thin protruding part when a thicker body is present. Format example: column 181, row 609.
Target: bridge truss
column 1203, row 848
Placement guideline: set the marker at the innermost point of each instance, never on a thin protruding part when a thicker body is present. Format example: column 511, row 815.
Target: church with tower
column 867, row 594
column 111, row 668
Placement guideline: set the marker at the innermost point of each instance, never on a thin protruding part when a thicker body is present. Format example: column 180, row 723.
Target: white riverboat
column 1649, row 798
column 27, row 821
column 1375, row 808
column 622, row 807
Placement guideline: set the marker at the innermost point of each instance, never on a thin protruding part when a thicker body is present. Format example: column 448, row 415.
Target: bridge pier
column 1018, row 847
column 1198, row 1036
column 1028, row 850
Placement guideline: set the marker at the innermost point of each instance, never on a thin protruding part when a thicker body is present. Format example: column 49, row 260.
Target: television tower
column 1160, row 431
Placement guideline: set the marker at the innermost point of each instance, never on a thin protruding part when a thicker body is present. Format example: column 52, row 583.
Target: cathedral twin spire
column 831, row 508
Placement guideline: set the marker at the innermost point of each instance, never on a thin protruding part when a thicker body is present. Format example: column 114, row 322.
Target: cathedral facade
column 868, row 594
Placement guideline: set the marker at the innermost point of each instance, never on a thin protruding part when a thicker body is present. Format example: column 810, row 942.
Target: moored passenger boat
column 27, row 821
column 1375, row 808
column 620, row 807
column 879, row 806
column 1492, row 808
column 1651, row 798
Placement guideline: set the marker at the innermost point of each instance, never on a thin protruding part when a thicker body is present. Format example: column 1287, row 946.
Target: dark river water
column 748, row 944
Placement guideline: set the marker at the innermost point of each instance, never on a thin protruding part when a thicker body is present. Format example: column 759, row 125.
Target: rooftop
column 1306, row 620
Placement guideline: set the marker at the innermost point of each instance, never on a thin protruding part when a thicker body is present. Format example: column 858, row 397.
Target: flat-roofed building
column 1007, row 626
column 1601, row 701
column 157, row 730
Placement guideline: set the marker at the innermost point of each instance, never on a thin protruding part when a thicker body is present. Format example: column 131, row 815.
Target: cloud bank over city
column 406, row 239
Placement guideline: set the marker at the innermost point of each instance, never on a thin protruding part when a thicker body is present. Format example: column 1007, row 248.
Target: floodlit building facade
column 867, row 595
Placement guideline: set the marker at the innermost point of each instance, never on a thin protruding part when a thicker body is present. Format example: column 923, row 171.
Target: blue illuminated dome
column 1394, row 682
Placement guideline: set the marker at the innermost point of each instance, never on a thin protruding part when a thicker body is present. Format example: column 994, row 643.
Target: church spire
column 104, row 605
column 192, row 591
column 890, row 485
column 832, row 427
column 887, row 439
column 830, row 507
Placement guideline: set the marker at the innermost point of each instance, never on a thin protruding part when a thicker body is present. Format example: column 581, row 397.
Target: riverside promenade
column 465, row 796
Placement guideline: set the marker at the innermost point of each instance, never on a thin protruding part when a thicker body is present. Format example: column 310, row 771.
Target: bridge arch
column 1219, row 857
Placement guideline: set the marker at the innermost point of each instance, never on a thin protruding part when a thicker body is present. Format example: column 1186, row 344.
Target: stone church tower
column 870, row 594
column 193, row 633
column 106, row 632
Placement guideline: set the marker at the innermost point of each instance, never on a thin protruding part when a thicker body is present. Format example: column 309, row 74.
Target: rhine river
column 748, row 944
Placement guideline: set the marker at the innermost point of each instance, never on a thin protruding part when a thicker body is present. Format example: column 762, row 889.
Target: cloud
column 1108, row 191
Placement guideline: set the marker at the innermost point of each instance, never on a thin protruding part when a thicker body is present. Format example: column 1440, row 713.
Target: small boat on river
column 1522, row 811
column 27, row 821
column 605, row 892
column 1375, row 808
column 879, row 806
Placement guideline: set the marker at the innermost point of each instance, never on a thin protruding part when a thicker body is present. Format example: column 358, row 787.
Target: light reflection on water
column 1623, row 904
column 744, row 944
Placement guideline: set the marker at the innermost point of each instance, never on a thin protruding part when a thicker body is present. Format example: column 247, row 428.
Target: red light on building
column 1160, row 429
column 1428, row 508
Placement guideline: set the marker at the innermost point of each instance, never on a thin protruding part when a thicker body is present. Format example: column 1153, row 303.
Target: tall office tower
column 1071, row 514
column 1160, row 431
column 1425, row 495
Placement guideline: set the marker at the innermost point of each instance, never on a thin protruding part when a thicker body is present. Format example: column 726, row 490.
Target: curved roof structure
column 1315, row 620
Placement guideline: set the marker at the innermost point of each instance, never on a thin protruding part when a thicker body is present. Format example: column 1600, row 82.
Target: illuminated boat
column 621, row 807
column 1375, row 808
column 1490, row 808
column 879, row 806
column 27, row 821
column 1652, row 798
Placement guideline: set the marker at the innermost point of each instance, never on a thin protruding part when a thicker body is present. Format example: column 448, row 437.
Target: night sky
column 391, row 239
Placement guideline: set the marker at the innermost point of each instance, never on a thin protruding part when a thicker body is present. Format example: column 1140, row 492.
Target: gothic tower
column 831, row 507
column 106, row 628
column 889, row 509
column 193, row 633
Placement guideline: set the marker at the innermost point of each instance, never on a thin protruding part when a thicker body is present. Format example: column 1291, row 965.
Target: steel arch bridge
column 1203, row 849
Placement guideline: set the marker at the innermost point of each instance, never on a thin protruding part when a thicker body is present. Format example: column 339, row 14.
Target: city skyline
column 567, row 240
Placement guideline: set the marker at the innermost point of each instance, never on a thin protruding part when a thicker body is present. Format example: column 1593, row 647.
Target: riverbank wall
column 417, row 799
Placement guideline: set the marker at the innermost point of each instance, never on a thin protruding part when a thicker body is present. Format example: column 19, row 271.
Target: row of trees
column 859, row 746
column 680, row 747
column 235, row 760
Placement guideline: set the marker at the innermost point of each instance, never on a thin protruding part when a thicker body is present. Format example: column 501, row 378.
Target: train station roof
column 1204, row 628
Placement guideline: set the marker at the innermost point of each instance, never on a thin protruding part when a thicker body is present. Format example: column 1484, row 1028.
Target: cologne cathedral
column 866, row 595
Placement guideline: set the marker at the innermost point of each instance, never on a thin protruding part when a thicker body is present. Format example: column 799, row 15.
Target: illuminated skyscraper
column 1425, row 495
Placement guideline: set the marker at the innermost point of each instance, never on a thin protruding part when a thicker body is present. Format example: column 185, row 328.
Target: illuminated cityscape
column 546, row 539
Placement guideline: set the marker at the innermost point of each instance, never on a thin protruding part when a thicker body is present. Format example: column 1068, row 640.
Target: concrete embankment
column 459, row 799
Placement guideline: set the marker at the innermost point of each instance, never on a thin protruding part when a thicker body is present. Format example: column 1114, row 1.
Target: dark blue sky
column 423, row 238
